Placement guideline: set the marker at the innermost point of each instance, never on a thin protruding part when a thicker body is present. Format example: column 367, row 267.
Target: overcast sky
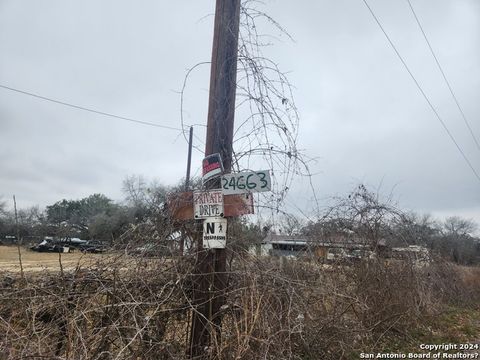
column 360, row 112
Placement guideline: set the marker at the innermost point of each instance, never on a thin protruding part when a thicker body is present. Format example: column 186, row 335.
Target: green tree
column 108, row 226
column 73, row 217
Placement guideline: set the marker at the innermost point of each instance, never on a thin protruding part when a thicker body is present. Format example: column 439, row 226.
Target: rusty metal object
column 238, row 204
column 180, row 205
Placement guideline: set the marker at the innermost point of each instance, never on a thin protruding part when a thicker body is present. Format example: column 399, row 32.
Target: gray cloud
column 361, row 114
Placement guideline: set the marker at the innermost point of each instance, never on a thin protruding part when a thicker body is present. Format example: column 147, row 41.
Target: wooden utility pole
column 187, row 183
column 189, row 158
column 18, row 238
column 210, row 279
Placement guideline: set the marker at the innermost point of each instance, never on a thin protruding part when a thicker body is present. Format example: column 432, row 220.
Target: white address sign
column 252, row 181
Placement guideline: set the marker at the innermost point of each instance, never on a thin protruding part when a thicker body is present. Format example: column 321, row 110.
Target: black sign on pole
column 212, row 166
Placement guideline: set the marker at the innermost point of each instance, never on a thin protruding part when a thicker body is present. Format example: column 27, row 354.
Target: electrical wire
column 444, row 76
column 89, row 109
column 422, row 92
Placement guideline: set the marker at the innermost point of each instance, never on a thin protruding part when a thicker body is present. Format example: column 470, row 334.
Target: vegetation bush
column 131, row 308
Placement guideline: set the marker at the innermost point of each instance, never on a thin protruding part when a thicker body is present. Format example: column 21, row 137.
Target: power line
column 422, row 92
column 88, row 109
column 444, row 76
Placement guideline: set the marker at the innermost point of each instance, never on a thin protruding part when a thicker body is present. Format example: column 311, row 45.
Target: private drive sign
column 207, row 204
column 215, row 233
column 252, row 181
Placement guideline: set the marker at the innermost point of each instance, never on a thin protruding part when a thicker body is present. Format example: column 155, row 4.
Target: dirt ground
column 35, row 261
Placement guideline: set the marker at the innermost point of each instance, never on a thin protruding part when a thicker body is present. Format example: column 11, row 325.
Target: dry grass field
column 118, row 306
column 35, row 261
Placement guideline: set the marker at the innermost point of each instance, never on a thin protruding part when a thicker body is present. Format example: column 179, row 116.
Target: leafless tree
column 291, row 225
column 3, row 207
column 363, row 213
column 458, row 226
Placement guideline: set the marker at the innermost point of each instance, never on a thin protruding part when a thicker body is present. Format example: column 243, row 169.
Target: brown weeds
column 131, row 308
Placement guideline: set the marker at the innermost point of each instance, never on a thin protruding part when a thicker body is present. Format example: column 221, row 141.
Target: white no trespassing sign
column 215, row 233
column 207, row 204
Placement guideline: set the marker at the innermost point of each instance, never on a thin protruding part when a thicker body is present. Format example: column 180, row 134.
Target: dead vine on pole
column 267, row 119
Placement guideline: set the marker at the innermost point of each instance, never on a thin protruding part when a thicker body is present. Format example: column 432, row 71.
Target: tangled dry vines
column 267, row 119
column 125, row 307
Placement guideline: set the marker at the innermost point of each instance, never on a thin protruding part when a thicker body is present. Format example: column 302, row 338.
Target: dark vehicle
column 46, row 246
column 94, row 247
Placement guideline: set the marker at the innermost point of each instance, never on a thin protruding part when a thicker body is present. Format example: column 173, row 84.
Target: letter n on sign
column 210, row 227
